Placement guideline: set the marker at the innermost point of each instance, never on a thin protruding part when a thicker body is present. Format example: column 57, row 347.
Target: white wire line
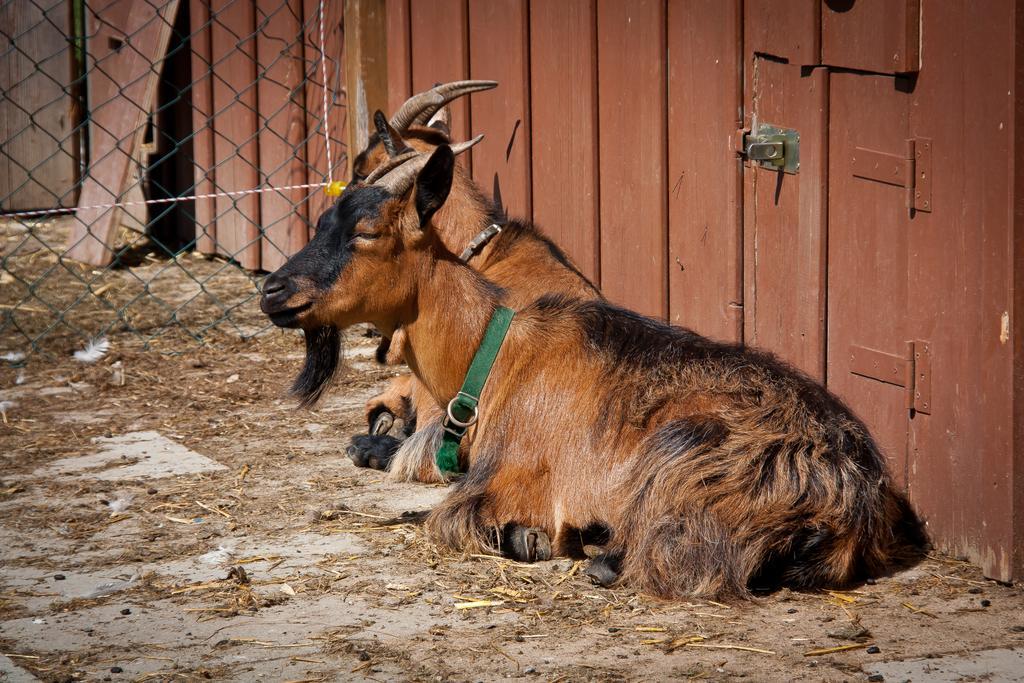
column 166, row 200
column 326, row 121
column 234, row 193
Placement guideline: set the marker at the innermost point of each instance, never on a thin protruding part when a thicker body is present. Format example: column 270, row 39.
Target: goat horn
column 420, row 107
column 389, row 137
column 397, row 180
column 461, row 147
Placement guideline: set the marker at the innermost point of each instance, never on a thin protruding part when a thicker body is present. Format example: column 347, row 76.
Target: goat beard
column 323, row 353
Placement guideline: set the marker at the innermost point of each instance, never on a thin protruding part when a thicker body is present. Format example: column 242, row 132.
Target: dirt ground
column 167, row 514
column 255, row 549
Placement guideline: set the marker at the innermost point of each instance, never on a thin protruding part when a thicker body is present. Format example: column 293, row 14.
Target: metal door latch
column 772, row 147
column 766, row 151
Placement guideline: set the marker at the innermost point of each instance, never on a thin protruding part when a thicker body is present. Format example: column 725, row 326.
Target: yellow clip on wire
column 334, row 189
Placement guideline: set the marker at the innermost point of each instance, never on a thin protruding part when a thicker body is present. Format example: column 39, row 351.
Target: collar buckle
column 468, row 398
column 454, row 425
column 478, row 242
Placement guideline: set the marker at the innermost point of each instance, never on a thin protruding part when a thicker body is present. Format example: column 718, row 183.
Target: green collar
column 462, row 410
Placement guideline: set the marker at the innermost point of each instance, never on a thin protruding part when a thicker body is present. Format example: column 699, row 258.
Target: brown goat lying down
column 526, row 265
column 520, row 259
column 713, row 469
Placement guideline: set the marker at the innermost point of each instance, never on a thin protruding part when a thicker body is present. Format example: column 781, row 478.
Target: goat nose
column 274, row 284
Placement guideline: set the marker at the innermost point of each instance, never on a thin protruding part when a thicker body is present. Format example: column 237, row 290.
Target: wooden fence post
column 366, row 69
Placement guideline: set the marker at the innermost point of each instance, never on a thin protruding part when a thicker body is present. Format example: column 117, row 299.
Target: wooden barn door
column 825, row 237
column 879, row 184
column 869, row 338
column 784, row 211
column 875, row 238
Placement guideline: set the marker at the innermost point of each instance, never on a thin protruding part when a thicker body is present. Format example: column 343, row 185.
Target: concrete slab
column 163, row 622
column 988, row 665
column 38, row 588
column 12, row 673
column 145, row 455
column 301, row 550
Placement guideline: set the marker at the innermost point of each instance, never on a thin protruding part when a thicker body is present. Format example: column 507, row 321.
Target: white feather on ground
column 93, row 351
column 121, row 503
column 110, row 587
column 13, row 356
column 220, row 555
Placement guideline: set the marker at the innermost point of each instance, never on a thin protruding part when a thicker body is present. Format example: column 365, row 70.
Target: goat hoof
column 603, row 570
column 382, row 423
column 530, row 545
column 375, row 452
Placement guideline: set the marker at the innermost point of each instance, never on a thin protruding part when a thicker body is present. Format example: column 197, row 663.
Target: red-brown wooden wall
column 580, row 136
column 258, row 118
column 623, row 120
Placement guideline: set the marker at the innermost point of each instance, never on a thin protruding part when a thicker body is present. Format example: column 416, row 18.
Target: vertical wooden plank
column 7, row 170
column 37, row 155
column 966, row 471
column 318, row 130
column 235, row 129
column 37, row 107
column 365, row 67
column 399, row 59
column 282, row 127
column 503, row 115
column 632, row 132
column 202, row 125
column 785, row 220
column 440, row 53
column 563, row 74
column 790, row 30
column 705, row 173
column 1016, row 341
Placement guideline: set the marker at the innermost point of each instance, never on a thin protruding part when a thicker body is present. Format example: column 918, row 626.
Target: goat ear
column 434, row 182
column 442, row 127
column 441, row 121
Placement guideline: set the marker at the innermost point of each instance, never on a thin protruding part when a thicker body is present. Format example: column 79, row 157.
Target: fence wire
column 139, row 104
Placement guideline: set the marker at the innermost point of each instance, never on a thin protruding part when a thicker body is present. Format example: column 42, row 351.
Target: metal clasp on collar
column 452, row 423
column 482, row 238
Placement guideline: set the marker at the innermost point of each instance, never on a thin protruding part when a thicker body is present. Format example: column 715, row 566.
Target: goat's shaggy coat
column 714, row 469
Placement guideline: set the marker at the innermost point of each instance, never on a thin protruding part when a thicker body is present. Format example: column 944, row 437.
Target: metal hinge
column 912, row 170
column 912, row 371
column 771, row 147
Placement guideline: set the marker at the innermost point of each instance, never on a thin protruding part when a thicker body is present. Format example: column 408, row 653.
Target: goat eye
column 366, row 236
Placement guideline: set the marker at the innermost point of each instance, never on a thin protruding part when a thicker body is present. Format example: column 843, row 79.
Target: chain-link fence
column 157, row 156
